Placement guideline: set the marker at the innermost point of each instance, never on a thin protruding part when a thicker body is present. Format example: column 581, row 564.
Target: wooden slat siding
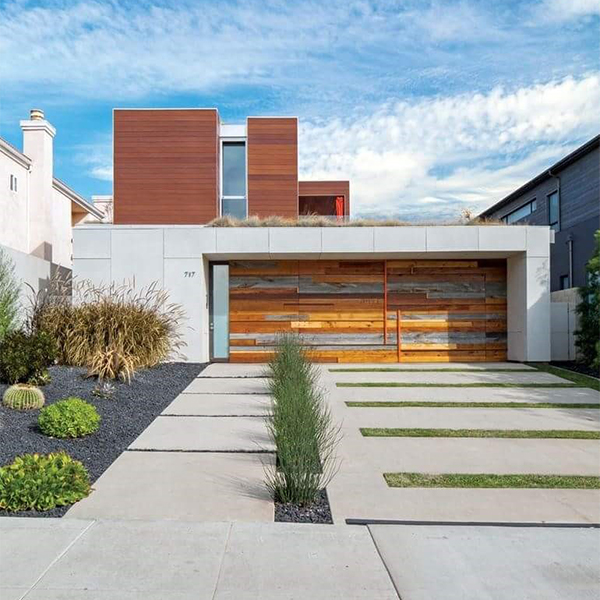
column 327, row 188
column 272, row 158
column 165, row 166
column 449, row 310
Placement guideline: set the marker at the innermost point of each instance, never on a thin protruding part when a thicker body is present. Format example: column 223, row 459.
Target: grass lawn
column 480, row 433
column 578, row 378
column 430, row 370
column 390, row 384
column 423, row 404
column 486, row 480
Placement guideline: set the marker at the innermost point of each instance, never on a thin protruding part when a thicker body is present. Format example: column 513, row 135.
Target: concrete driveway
column 359, row 490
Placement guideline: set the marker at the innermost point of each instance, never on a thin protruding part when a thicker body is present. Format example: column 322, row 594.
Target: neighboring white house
column 38, row 211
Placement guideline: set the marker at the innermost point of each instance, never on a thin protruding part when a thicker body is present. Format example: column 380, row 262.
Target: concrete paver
column 140, row 556
column 205, row 434
column 473, row 377
column 184, row 486
column 295, row 561
column 234, row 370
column 491, row 563
column 469, row 418
column 439, row 394
column 219, row 405
column 480, row 455
column 233, row 385
column 369, row 497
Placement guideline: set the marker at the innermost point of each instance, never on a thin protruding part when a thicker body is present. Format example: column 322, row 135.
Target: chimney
column 38, row 135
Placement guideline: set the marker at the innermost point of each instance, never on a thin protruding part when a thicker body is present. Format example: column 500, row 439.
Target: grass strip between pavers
column 431, row 370
column 488, row 480
column 481, row 433
column 394, row 384
column 578, row 378
column 424, row 404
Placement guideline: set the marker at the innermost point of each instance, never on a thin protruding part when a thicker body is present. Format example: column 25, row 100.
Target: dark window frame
column 531, row 204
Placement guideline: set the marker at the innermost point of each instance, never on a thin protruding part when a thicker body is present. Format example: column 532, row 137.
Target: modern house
column 566, row 197
column 37, row 210
column 353, row 294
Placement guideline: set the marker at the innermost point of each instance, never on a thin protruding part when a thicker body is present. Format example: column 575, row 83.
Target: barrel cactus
column 22, row 396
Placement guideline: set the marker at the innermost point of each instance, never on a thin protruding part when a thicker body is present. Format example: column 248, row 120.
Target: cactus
column 22, row 396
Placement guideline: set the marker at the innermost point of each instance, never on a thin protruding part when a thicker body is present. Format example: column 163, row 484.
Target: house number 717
column 189, row 273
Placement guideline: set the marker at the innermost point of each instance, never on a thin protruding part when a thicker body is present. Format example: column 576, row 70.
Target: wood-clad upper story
column 183, row 166
column 316, row 196
column 166, row 166
column 272, row 155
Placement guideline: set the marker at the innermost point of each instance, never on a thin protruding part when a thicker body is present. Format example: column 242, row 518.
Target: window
column 13, row 183
column 554, row 211
column 233, row 179
column 564, row 282
column 520, row 213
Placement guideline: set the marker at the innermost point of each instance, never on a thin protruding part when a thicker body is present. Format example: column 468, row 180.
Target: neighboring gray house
column 567, row 197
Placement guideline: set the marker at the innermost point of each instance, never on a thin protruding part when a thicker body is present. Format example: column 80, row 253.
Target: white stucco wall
column 30, row 271
column 169, row 254
column 14, row 212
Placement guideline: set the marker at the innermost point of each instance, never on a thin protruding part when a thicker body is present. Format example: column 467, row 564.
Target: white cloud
column 568, row 10
column 451, row 151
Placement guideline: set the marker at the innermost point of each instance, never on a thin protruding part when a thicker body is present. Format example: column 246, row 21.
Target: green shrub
column 588, row 309
column 301, row 427
column 113, row 331
column 25, row 356
column 69, row 418
column 23, row 396
column 42, row 482
column 9, row 296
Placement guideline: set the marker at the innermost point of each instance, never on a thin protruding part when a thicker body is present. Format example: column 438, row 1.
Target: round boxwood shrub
column 69, row 418
column 42, row 482
column 22, row 396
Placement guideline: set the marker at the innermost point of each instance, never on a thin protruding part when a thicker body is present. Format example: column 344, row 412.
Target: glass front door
column 219, row 311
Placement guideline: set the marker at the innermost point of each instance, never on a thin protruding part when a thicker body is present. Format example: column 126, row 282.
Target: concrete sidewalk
column 67, row 559
column 491, row 563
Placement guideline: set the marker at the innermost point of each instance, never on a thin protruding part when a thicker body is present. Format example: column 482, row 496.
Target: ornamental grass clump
column 111, row 330
column 301, row 426
column 69, row 418
column 42, row 482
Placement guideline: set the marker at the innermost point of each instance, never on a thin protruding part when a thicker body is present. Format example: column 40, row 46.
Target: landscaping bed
column 129, row 410
column 576, row 368
column 318, row 512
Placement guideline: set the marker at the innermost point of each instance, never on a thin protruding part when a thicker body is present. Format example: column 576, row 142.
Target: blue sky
column 428, row 107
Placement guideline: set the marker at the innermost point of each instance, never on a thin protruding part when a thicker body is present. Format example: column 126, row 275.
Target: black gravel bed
column 576, row 368
column 319, row 512
column 125, row 415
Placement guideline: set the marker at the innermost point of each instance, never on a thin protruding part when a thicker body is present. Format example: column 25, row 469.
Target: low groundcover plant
column 69, row 418
column 42, row 482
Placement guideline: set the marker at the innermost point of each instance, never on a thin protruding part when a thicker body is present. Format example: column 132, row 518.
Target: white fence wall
column 563, row 324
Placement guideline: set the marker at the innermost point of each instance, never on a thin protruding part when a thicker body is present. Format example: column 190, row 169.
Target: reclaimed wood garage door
column 437, row 310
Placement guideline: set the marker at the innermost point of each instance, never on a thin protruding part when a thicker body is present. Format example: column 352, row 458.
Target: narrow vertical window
column 233, row 179
column 554, row 211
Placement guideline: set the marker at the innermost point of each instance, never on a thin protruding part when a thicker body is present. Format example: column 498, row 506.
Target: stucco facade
column 38, row 211
column 178, row 257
